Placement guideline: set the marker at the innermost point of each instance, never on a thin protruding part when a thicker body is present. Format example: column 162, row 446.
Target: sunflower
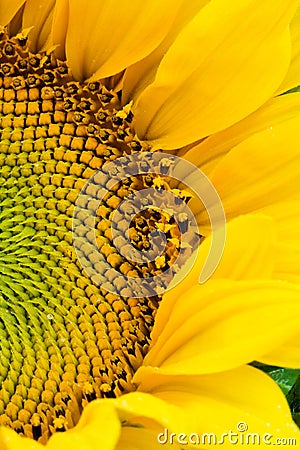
column 194, row 381
column 83, row 85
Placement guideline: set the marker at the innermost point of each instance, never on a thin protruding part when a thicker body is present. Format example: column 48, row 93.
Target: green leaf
column 285, row 378
column 296, row 418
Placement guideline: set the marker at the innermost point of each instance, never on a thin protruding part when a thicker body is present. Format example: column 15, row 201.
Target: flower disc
column 64, row 340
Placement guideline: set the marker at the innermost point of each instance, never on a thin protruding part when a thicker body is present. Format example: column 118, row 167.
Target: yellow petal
column 220, row 402
column 98, row 425
column 10, row 440
column 223, row 324
column 286, row 355
column 229, row 51
column 134, row 438
column 59, row 27
column 139, row 75
column 105, row 37
column 207, row 154
column 8, row 8
column 287, row 263
column 260, row 171
column 292, row 78
column 243, row 259
column 38, row 14
column 143, row 409
column 138, row 404
column 286, row 215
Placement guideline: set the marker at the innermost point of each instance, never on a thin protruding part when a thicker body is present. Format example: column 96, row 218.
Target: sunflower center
column 64, row 340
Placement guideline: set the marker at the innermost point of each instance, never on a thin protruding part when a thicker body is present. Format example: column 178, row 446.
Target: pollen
column 64, row 341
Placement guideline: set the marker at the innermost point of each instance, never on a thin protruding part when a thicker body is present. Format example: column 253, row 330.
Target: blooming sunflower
column 81, row 86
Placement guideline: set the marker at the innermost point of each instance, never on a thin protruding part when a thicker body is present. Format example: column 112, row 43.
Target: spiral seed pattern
column 63, row 340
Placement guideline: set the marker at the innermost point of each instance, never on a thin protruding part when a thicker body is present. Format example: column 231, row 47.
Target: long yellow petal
column 38, row 14
column 106, row 37
column 223, row 324
column 229, row 51
column 8, row 8
column 59, row 27
column 286, row 215
column 207, row 154
column 292, row 78
column 243, row 259
column 220, row 402
column 141, row 74
column 287, row 263
column 261, row 171
column 286, row 355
